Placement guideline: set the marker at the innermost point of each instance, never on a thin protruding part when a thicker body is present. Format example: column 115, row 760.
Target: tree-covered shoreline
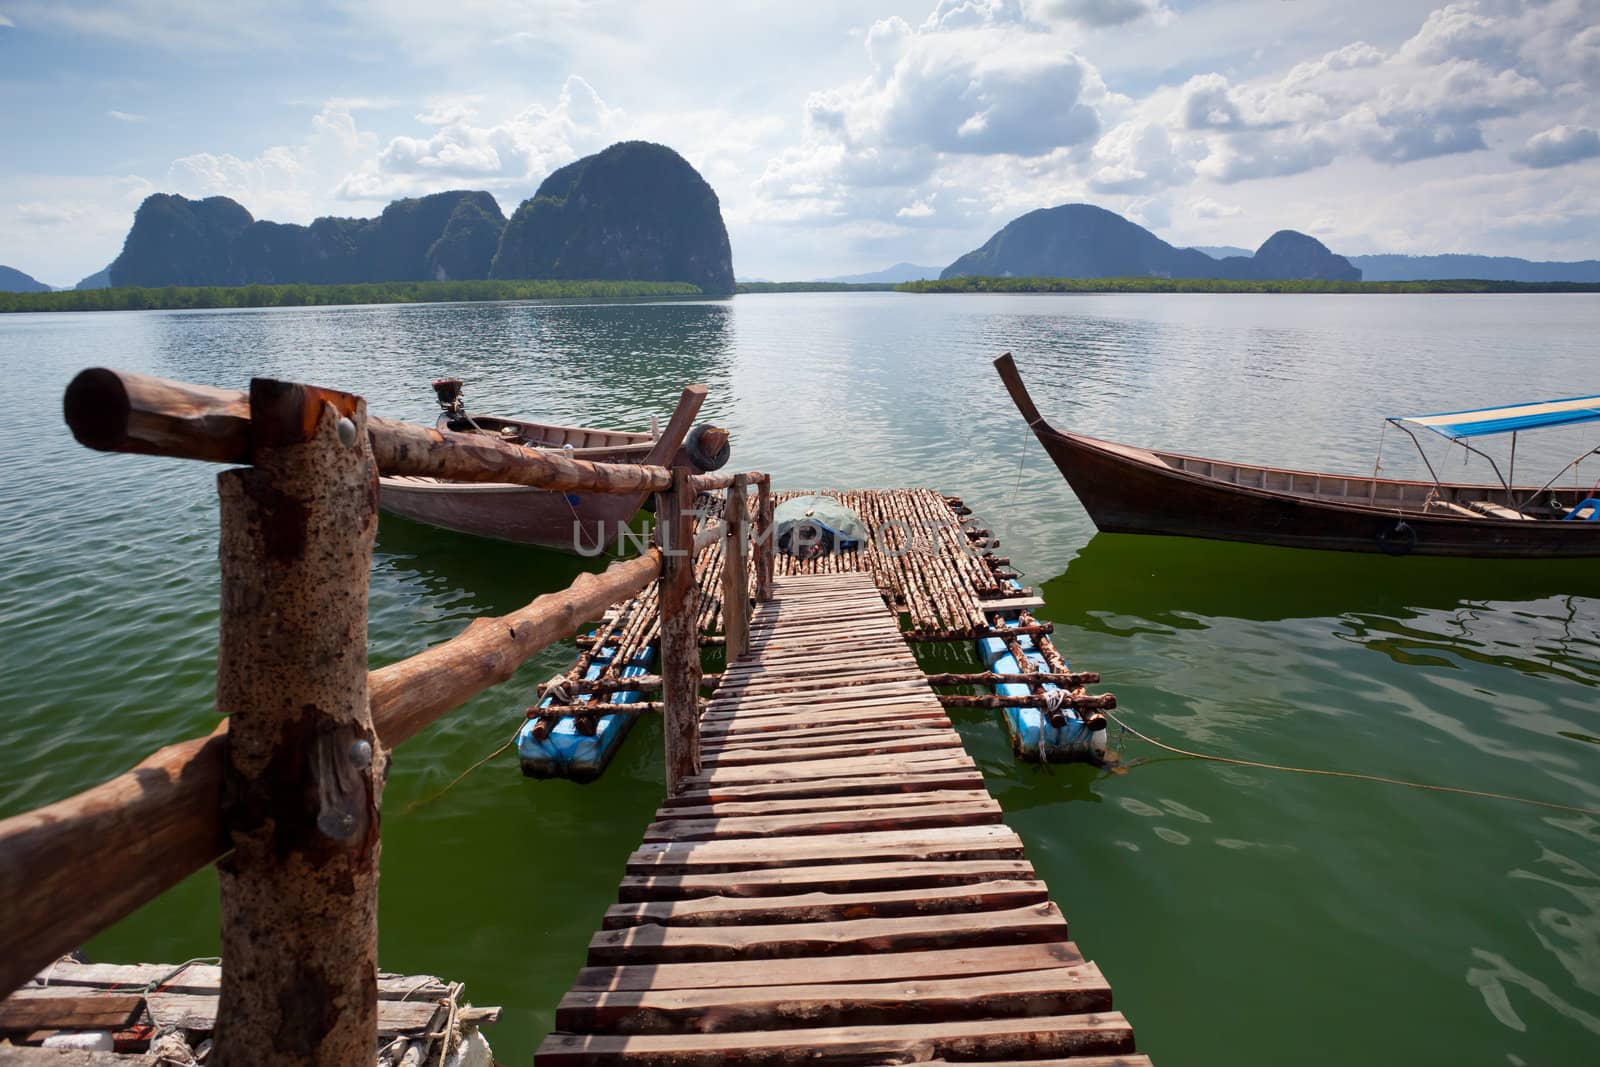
column 980, row 284
column 175, row 297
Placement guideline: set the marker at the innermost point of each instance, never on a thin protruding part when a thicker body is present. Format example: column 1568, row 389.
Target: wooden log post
column 736, row 570
column 765, row 537
column 680, row 636
column 305, row 768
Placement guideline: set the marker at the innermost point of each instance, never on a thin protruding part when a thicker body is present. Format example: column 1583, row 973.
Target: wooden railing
column 286, row 792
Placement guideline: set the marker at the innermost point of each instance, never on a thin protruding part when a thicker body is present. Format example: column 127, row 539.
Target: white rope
column 558, row 689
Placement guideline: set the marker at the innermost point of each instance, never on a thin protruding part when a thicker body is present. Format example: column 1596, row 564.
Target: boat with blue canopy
column 1128, row 489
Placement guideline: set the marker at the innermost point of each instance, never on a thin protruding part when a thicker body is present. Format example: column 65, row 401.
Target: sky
column 840, row 136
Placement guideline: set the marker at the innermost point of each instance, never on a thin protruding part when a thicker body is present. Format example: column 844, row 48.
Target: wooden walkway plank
column 782, row 881
column 971, row 813
column 956, row 842
column 702, row 944
column 836, row 886
column 965, row 1040
column 864, row 783
column 827, row 907
column 890, row 742
column 949, row 963
column 1063, row 991
column 735, row 808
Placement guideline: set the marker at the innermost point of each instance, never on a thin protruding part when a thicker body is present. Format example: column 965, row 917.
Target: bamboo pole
column 1067, row 678
column 305, row 768
column 736, row 570
column 680, row 646
column 1083, row 702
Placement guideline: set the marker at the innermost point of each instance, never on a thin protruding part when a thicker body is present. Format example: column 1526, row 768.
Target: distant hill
column 1221, row 251
column 14, row 281
column 1396, row 268
column 1084, row 241
column 900, row 272
column 634, row 212
column 100, row 279
column 176, row 241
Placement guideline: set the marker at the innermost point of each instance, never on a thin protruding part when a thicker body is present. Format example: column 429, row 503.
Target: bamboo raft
column 168, row 1012
column 835, row 884
column 928, row 558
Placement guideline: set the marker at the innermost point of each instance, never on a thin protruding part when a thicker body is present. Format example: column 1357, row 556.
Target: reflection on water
column 1533, row 616
column 1168, row 578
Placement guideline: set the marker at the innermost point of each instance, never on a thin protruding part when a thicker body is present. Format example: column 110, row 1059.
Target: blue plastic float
column 1032, row 737
column 566, row 753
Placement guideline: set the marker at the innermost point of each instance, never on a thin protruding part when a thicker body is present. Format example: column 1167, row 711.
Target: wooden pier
column 827, row 880
column 835, row 885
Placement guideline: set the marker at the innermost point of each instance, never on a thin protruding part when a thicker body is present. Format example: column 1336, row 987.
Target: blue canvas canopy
column 1484, row 421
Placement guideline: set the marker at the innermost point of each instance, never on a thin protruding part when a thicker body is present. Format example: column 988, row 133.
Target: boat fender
column 707, row 447
column 1397, row 539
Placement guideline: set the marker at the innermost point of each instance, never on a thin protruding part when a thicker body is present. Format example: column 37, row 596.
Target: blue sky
column 839, row 136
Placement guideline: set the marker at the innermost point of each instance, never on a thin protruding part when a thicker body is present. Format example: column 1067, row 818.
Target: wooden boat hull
column 586, row 523
column 1141, row 491
column 569, row 522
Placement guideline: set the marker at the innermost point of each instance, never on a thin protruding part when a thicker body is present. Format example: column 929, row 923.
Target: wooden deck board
column 836, row 886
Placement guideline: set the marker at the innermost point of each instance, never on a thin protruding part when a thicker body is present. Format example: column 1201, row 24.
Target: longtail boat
column 1128, row 489
column 587, row 524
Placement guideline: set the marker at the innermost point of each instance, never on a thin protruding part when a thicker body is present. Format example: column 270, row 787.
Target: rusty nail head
column 361, row 754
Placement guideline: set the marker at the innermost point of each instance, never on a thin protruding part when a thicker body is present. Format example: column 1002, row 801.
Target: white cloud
column 1207, row 208
column 283, row 183
column 6, row 23
column 514, row 154
column 125, row 116
column 975, row 87
column 1138, row 157
column 1558, row 146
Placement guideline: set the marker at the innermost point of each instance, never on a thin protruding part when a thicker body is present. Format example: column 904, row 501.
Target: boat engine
column 448, row 390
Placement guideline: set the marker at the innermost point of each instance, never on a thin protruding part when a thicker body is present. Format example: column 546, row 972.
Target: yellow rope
column 1352, row 774
column 425, row 801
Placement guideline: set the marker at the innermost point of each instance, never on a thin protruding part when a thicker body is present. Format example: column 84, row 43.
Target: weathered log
column 305, row 767
column 736, row 570
column 404, row 448
column 710, row 483
column 1069, row 678
column 408, row 695
column 60, row 884
column 120, row 411
column 680, row 646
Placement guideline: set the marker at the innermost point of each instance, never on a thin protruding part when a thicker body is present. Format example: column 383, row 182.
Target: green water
column 1243, row 916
